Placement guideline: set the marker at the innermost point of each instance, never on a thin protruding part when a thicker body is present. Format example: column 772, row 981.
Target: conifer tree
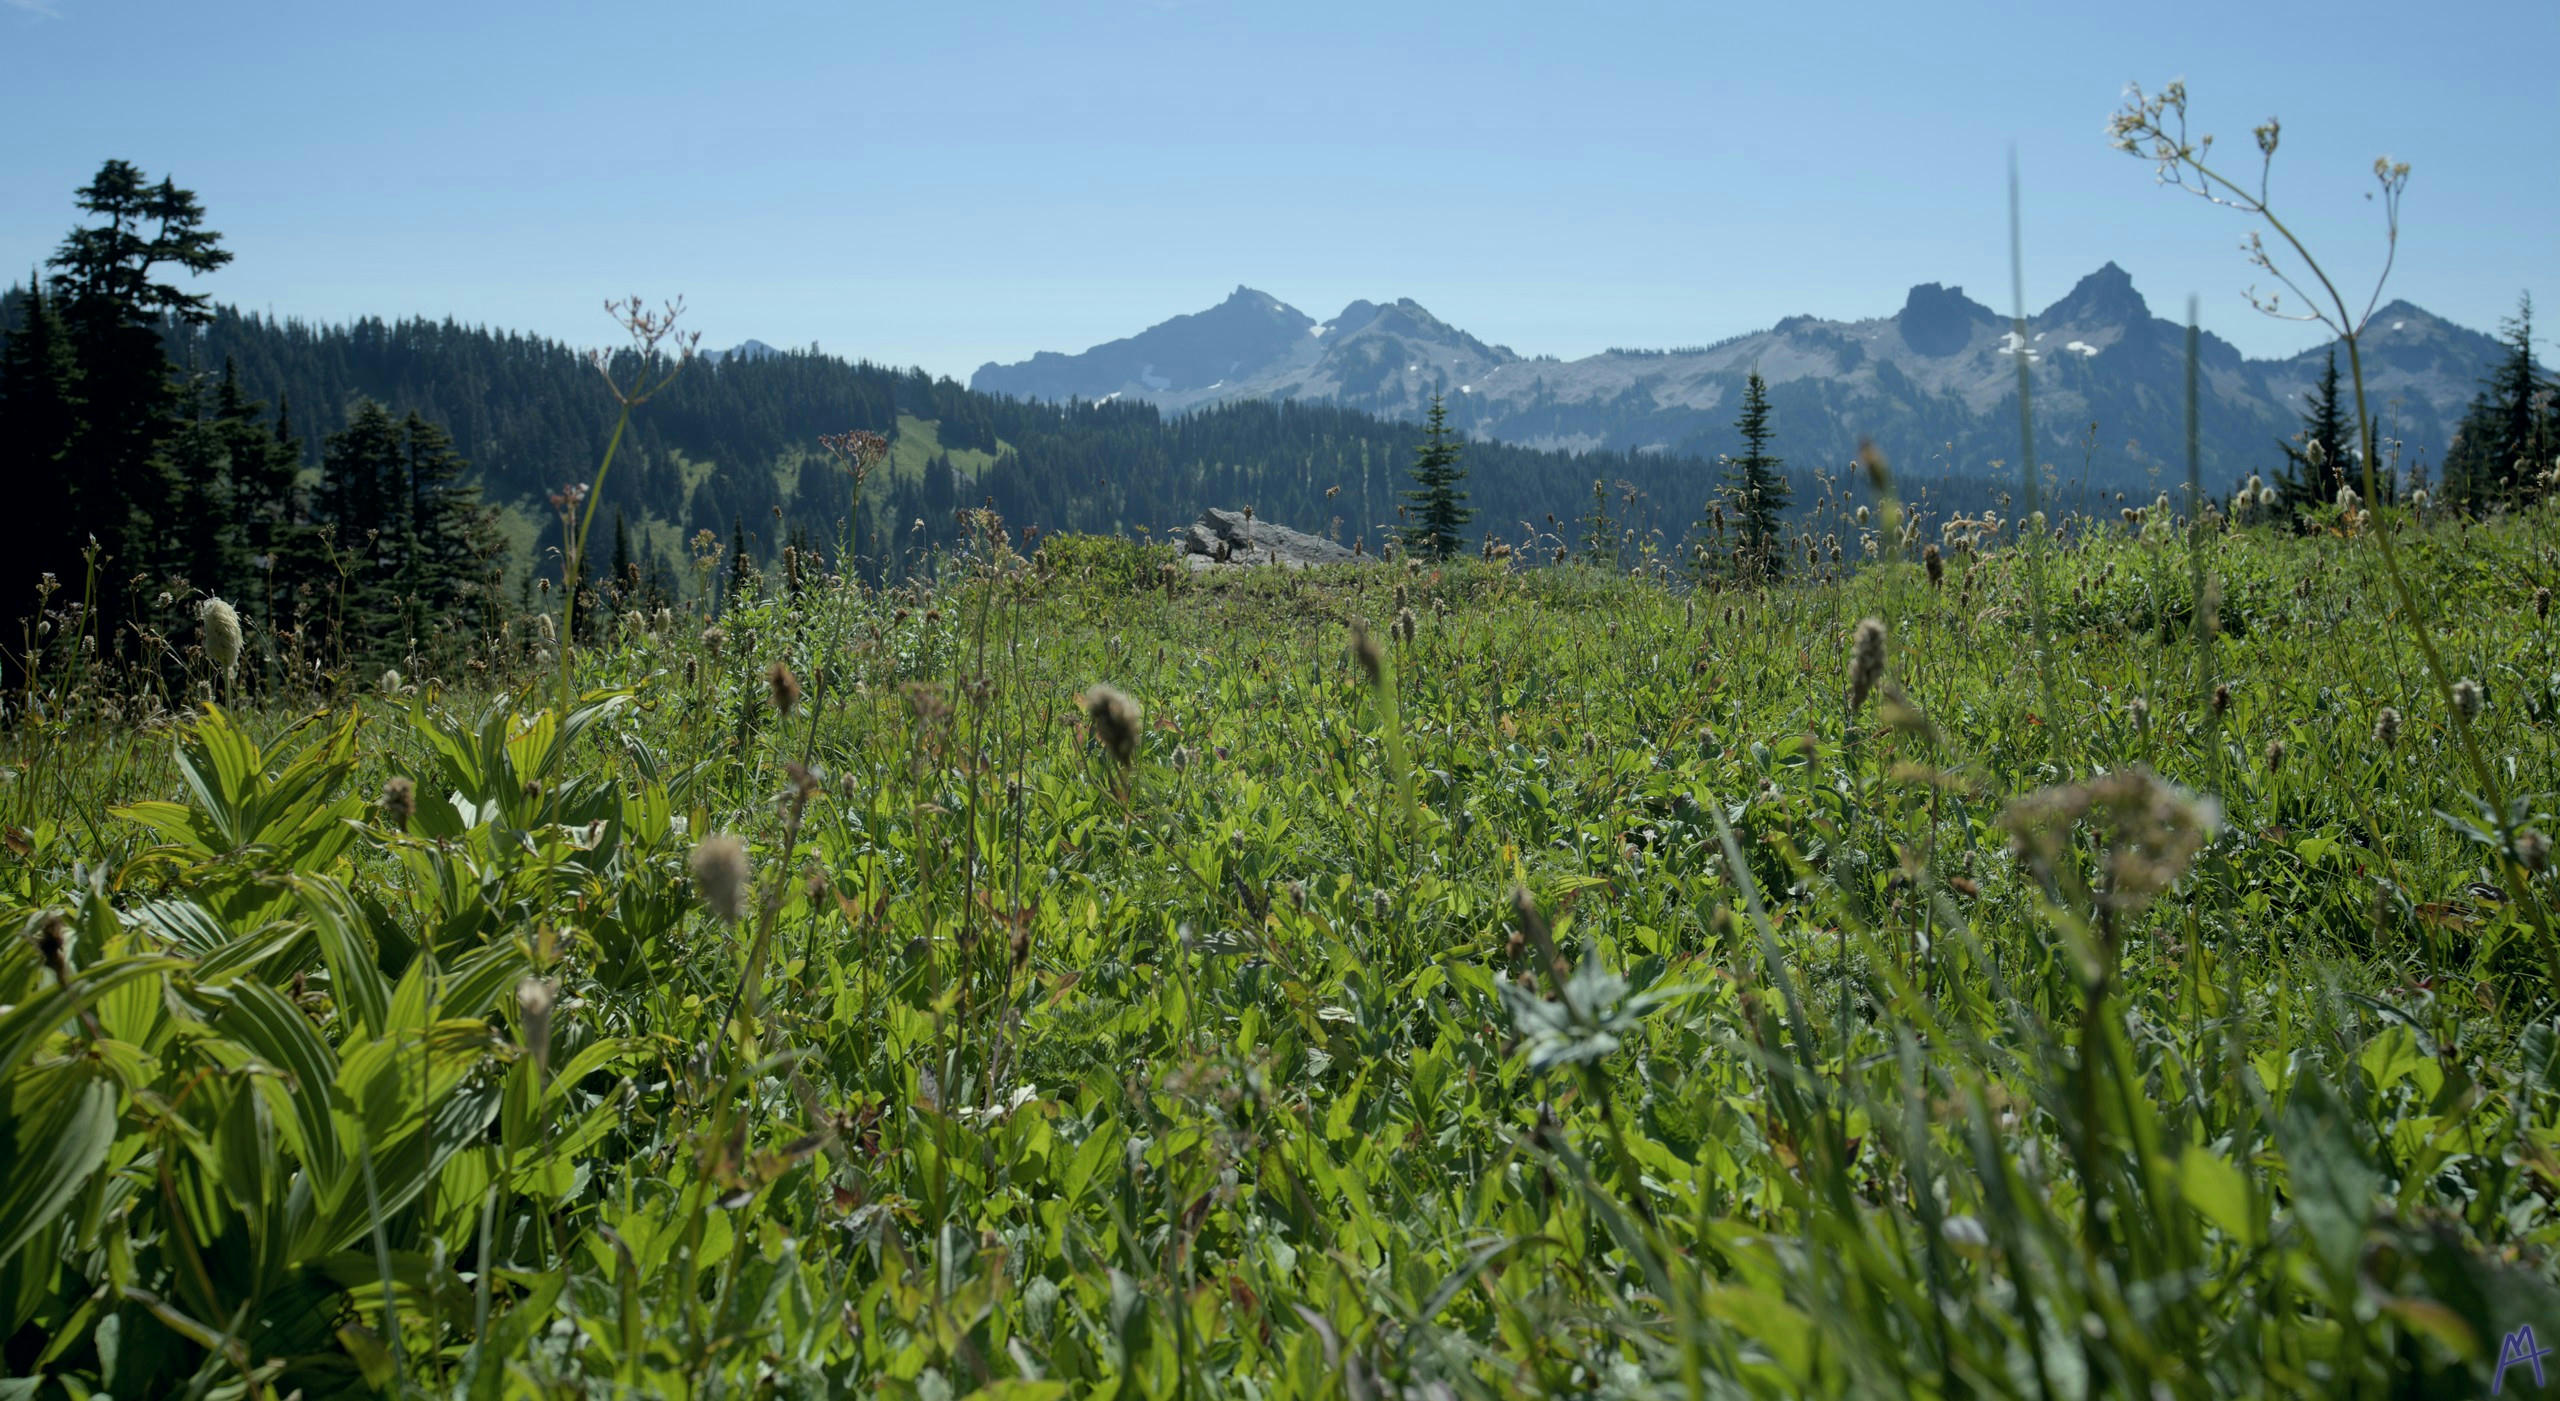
column 361, row 496
column 200, row 541
column 1440, row 509
column 1599, row 533
column 2511, row 431
column 1756, row 490
column 445, row 535
column 273, row 539
column 105, row 290
column 625, row 572
column 2317, row 458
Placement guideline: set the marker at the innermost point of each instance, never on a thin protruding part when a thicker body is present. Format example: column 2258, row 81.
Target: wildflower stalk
column 647, row 329
column 1380, row 670
column 2141, row 121
column 2206, row 622
column 2027, row 455
column 575, row 573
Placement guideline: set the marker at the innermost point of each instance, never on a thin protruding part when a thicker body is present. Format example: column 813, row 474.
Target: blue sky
column 943, row 184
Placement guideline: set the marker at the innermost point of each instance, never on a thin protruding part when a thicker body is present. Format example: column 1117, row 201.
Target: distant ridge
column 1934, row 382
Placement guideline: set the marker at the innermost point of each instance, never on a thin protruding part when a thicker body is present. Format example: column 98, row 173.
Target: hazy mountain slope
column 1250, row 333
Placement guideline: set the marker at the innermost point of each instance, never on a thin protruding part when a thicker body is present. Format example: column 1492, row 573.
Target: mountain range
column 1934, row 383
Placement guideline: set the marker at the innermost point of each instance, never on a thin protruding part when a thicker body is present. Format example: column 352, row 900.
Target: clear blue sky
column 943, row 184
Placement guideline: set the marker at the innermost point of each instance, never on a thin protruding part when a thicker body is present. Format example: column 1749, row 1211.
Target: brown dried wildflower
column 1115, row 721
column 2534, row 850
column 1866, row 661
column 2542, row 605
column 2154, row 828
column 2221, row 701
column 2275, row 756
column 399, row 801
column 1871, row 461
column 2467, row 698
column 2386, row 728
column 1404, row 624
column 1936, row 564
column 785, row 687
column 719, row 866
column 858, row 450
column 1364, row 650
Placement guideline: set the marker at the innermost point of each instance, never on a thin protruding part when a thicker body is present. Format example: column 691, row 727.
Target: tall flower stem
column 648, row 330
column 2161, row 123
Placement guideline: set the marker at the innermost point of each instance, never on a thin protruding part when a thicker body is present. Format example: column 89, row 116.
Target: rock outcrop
column 1222, row 539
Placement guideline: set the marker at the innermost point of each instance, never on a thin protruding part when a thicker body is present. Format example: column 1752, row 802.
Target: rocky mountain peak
column 2103, row 298
column 1940, row 320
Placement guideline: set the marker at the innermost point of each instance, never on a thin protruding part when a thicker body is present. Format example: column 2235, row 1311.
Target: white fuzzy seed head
column 221, row 623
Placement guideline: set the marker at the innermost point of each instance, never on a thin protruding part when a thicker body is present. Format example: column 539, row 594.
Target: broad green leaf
column 24, row 1027
column 61, row 1120
column 2215, row 1189
column 276, row 1031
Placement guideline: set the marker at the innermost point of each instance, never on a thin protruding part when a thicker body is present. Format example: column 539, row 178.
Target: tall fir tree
column 2510, row 433
column 361, row 498
column 626, row 573
column 106, row 290
column 1757, row 490
column 447, row 539
column 1599, row 532
column 2318, row 457
column 200, row 540
column 1439, row 505
column 274, row 544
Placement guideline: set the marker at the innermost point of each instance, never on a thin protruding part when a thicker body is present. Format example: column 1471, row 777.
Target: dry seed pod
column 399, row 801
column 1115, row 721
column 1866, row 661
column 1364, row 649
column 719, row 865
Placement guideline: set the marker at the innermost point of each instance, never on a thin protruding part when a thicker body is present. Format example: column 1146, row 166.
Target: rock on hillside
column 1228, row 539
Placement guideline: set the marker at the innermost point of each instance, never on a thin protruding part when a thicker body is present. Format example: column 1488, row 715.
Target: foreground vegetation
column 1576, row 986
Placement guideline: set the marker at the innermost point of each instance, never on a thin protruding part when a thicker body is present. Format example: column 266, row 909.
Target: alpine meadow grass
column 2048, row 957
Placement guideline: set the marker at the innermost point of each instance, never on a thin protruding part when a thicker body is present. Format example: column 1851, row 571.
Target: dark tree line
column 730, row 448
column 142, row 483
